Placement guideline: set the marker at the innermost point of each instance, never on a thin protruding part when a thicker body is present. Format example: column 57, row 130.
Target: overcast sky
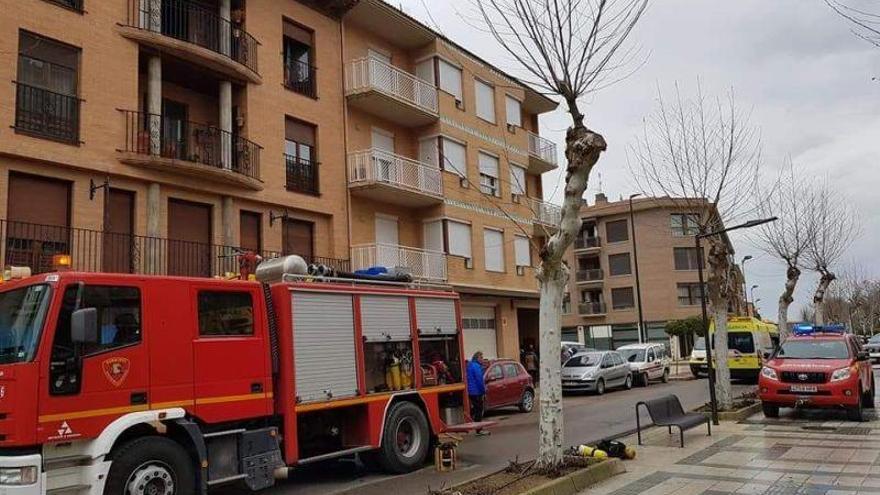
column 807, row 79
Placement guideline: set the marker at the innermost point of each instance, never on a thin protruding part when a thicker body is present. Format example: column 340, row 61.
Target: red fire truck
column 147, row 385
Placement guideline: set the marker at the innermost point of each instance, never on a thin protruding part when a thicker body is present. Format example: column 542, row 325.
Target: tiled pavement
column 808, row 453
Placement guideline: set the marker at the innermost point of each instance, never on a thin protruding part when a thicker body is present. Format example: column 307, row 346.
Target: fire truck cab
column 115, row 384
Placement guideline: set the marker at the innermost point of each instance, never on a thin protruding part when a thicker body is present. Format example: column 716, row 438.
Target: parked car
column 596, row 371
column 873, row 348
column 817, row 367
column 647, row 362
column 572, row 348
column 508, row 384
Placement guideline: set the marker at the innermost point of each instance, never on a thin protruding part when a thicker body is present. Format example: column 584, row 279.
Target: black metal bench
column 667, row 411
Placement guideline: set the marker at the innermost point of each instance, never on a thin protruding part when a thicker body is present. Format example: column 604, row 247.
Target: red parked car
column 508, row 384
column 818, row 367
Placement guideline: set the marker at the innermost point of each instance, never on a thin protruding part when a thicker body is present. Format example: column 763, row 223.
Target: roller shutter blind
column 493, row 246
column 459, row 239
column 436, row 316
column 385, row 318
column 514, row 112
column 517, row 180
column 454, row 157
column 324, row 347
column 485, row 101
column 521, row 249
column 450, row 79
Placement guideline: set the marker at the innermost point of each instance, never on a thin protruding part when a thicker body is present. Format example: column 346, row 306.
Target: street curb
column 739, row 414
column 580, row 480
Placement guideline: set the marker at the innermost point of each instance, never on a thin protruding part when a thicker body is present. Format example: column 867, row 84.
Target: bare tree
column 864, row 24
column 789, row 237
column 567, row 49
column 836, row 227
column 704, row 154
column 854, row 299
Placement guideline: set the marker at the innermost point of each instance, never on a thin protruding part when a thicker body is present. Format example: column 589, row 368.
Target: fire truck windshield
column 22, row 313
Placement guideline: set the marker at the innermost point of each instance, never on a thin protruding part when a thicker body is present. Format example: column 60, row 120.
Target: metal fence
column 542, row 148
column 46, row 113
column 300, row 78
column 591, row 308
column 194, row 23
column 590, row 275
column 35, row 245
column 302, row 175
column 159, row 135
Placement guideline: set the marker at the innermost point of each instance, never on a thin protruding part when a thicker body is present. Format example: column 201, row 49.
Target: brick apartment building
column 156, row 136
column 600, row 308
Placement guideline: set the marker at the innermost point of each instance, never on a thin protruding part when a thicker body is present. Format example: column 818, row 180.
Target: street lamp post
column 704, row 308
column 745, row 283
column 752, row 297
column 632, row 223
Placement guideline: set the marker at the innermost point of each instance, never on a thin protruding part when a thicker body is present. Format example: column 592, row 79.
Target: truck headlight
column 769, row 373
column 18, row 476
column 841, row 374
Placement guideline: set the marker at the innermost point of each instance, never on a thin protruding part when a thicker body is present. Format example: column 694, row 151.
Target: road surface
column 587, row 419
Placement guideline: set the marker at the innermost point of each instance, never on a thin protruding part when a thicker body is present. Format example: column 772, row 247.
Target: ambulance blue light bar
column 808, row 329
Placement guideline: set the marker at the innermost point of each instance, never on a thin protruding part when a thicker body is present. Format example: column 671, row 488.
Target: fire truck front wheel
column 151, row 466
column 406, row 439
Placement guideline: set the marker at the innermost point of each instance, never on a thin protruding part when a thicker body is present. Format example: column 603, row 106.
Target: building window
column 685, row 224
column 489, row 175
column 493, row 245
column 622, row 298
column 299, row 156
column 450, row 79
column 250, row 231
column 686, row 258
column 453, row 156
column 689, row 294
column 298, row 237
column 619, row 264
column 485, row 101
column 76, row 5
column 225, row 313
column 522, row 250
column 299, row 68
column 514, row 111
column 46, row 102
column 566, row 303
column 617, row 231
column 517, row 180
column 458, row 239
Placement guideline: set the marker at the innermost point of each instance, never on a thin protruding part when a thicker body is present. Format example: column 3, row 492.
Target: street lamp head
column 754, row 287
column 747, row 258
column 634, row 195
column 755, row 223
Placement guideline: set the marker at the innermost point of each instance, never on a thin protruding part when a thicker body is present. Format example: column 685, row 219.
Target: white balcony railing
column 542, row 149
column 375, row 165
column 545, row 213
column 365, row 74
column 420, row 263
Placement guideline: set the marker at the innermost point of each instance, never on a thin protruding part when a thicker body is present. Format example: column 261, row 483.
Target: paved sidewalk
column 809, row 453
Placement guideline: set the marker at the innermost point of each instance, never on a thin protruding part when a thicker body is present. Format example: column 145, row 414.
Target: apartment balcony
column 542, row 154
column 190, row 31
column 592, row 309
column 302, row 175
column 189, row 148
column 545, row 215
column 586, row 243
column 46, row 114
column 590, row 275
column 390, row 93
column 422, row 264
column 391, row 178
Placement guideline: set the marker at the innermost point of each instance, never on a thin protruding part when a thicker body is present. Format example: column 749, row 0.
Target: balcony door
column 174, row 119
column 38, row 212
column 299, row 238
column 118, row 235
column 382, row 72
column 383, row 159
column 189, row 239
column 387, row 241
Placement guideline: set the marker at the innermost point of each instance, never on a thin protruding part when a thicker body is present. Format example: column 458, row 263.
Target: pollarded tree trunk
column 792, row 275
column 719, row 296
column 582, row 150
column 819, row 297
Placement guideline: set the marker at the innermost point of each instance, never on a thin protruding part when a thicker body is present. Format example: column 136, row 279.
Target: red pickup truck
column 817, row 367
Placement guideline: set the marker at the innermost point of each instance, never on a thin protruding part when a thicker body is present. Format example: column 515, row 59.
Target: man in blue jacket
column 476, row 387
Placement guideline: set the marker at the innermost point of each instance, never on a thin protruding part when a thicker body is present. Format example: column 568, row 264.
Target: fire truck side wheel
column 406, row 440
column 151, row 466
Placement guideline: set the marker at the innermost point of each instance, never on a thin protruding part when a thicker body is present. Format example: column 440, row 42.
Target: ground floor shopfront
column 617, row 335
column 499, row 327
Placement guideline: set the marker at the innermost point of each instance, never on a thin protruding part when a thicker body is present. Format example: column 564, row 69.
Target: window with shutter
column 514, row 111
column 522, row 251
column 298, row 238
column 459, row 239
column 251, row 237
column 517, row 180
column 489, row 175
column 485, row 101
column 686, row 258
column 454, row 156
column 429, row 151
column 434, row 236
column 617, row 231
column 493, row 245
column 622, row 298
column 619, row 264
column 450, row 79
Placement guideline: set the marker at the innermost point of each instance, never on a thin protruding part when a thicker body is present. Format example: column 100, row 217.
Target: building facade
column 601, row 308
column 161, row 136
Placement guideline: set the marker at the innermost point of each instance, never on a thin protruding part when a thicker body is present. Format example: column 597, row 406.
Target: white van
column 647, row 362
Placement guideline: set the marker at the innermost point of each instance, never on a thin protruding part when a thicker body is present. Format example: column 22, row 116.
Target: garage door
column 479, row 334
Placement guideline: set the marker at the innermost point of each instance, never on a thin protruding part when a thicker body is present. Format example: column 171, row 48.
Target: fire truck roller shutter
column 385, row 318
column 479, row 331
column 436, row 316
column 323, row 346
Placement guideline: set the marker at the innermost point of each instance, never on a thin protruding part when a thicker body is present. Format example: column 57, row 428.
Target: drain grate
column 853, row 430
column 820, row 428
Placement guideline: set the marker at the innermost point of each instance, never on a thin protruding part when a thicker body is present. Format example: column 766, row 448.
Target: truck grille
column 803, row 377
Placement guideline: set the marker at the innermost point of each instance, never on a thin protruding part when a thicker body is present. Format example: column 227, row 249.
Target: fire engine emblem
column 116, row 370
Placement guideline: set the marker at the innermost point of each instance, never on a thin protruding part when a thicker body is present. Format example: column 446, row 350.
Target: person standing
column 476, row 387
column 530, row 362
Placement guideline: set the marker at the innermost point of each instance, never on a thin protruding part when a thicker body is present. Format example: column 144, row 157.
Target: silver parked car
column 596, row 371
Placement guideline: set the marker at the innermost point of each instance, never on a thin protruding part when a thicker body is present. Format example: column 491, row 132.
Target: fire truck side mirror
column 84, row 326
